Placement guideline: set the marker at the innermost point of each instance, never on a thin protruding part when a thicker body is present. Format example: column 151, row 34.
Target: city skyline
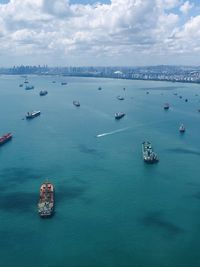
column 107, row 33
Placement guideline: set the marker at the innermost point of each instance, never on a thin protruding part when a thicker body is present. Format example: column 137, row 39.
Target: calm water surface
column 112, row 210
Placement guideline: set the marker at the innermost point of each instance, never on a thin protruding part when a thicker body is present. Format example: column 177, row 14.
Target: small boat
column 46, row 200
column 119, row 115
column 26, row 81
column 149, row 155
column 43, row 92
column 181, row 128
column 5, row 138
column 124, row 88
column 120, row 97
column 29, row 87
column 63, row 83
column 147, row 92
column 186, row 100
column 33, row 114
column 166, row 106
column 21, row 85
column 53, row 81
column 76, row 103
column 199, row 110
column 99, row 88
column 180, row 96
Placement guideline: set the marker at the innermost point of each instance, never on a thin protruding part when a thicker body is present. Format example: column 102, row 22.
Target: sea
column 111, row 209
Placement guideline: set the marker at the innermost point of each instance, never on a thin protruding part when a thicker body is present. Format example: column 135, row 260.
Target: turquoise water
column 112, row 210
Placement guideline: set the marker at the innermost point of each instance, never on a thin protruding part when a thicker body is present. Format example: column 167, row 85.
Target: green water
column 112, row 210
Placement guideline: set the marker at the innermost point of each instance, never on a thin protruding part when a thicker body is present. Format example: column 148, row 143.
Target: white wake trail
column 113, row 132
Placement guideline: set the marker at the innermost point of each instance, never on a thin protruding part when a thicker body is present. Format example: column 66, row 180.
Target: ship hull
column 33, row 115
column 46, row 200
column 4, row 139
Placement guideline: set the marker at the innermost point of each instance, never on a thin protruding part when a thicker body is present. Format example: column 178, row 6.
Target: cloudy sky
column 108, row 32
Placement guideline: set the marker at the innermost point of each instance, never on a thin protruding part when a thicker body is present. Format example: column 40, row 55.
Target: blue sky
column 116, row 32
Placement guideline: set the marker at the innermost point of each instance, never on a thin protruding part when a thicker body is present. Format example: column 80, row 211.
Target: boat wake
column 113, row 132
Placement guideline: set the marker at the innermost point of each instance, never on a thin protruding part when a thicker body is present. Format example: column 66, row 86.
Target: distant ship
column 99, row 88
column 43, row 92
column 148, row 155
column 26, row 81
column 53, row 81
column 46, row 200
column 29, row 87
column 21, row 85
column 120, row 97
column 186, row 100
column 5, row 138
column 166, row 106
column 119, row 115
column 181, row 128
column 63, row 83
column 76, row 103
column 33, row 114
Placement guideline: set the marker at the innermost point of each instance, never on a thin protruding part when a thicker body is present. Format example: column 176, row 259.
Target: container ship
column 46, row 200
column 33, row 114
column 149, row 155
column 5, row 138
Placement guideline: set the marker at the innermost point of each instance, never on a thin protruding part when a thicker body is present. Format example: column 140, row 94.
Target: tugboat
column 119, row 115
column 166, row 106
column 148, row 155
column 120, row 97
column 29, row 87
column 33, row 114
column 5, row 138
column 43, row 92
column 46, row 200
column 76, row 103
column 181, row 128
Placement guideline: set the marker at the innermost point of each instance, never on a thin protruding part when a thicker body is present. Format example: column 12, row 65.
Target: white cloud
column 186, row 7
column 95, row 34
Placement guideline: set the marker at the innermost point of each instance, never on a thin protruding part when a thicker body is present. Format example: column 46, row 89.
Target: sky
column 99, row 33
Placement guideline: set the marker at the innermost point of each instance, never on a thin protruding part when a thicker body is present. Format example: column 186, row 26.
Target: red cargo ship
column 5, row 138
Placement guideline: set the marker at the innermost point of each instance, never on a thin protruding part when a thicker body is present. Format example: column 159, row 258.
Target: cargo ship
column 46, row 200
column 149, row 155
column 5, row 138
column 33, row 114
column 43, row 92
column 119, row 115
column 76, row 103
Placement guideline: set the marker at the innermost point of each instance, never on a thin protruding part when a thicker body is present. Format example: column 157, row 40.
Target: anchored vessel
column 46, row 200
column 33, row 114
column 76, row 103
column 119, row 115
column 29, row 87
column 5, row 138
column 120, row 97
column 181, row 128
column 148, row 155
column 166, row 106
column 43, row 92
